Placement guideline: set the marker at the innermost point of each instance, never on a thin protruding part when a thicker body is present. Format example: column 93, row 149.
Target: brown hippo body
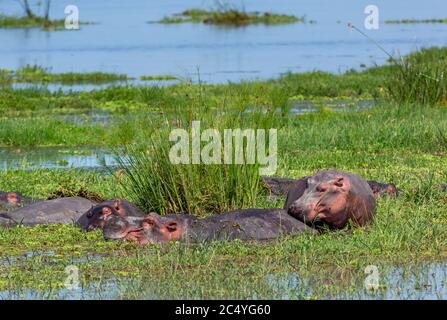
column 281, row 186
column 95, row 217
column 6, row 221
column 331, row 198
column 57, row 211
column 246, row 225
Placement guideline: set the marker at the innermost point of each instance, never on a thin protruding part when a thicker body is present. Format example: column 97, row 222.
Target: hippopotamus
column 278, row 186
column 246, row 225
column 6, row 221
column 281, row 186
column 383, row 189
column 95, row 217
column 57, row 211
column 331, row 199
column 13, row 200
column 10, row 199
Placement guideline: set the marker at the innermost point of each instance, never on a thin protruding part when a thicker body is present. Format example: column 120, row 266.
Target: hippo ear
column 106, row 211
column 117, row 204
column 339, row 181
column 172, row 226
column 150, row 221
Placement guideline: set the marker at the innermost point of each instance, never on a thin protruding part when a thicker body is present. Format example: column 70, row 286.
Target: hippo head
column 332, row 198
column 11, row 198
column 152, row 229
column 325, row 200
column 119, row 228
column 96, row 216
column 14, row 198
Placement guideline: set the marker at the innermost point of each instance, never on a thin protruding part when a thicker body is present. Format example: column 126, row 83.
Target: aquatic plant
column 158, row 77
column 38, row 74
column 415, row 21
column 230, row 16
column 418, row 79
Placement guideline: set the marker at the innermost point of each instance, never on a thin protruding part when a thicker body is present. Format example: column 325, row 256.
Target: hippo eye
column 321, row 189
column 89, row 214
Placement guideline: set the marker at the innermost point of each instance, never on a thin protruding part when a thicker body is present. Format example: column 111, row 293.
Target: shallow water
column 95, row 158
column 55, row 158
column 122, row 41
column 422, row 282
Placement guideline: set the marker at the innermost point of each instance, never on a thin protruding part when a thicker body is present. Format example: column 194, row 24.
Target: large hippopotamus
column 246, row 225
column 57, row 211
column 95, row 217
column 331, row 199
column 281, row 186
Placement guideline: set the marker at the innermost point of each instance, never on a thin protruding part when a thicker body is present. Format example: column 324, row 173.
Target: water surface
column 122, row 41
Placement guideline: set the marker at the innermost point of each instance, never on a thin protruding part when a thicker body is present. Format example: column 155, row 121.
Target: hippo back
column 56, row 211
column 249, row 224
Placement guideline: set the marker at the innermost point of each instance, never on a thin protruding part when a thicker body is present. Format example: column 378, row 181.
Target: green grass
column 26, row 22
column 401, row 142
column 419, row 78
column 415, row 21
column 33, row 22
column 158, row 78
column 229, row 16
column 38, row 74
column 156, row 184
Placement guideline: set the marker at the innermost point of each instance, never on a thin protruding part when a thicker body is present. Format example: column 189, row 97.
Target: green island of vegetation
column 158, row 77
column 30, row 22
column 400, row 138
column 30, row 19
column 37, row 74
column 230, row 17
column 415, row 21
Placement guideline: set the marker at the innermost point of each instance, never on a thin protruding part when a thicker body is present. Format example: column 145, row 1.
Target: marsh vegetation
column 230, row 16
column 400, row 138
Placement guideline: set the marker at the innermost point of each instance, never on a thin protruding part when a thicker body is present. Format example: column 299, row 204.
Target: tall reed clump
column 419, row 79
column 154, row 183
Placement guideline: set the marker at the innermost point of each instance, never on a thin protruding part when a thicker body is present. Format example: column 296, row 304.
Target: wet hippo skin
column 246, row 225
column 57, row 211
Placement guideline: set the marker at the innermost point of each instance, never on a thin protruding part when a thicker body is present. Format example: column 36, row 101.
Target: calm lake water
column 123, row 42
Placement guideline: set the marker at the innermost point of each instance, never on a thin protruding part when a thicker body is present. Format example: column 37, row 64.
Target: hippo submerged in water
column 246, row 225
